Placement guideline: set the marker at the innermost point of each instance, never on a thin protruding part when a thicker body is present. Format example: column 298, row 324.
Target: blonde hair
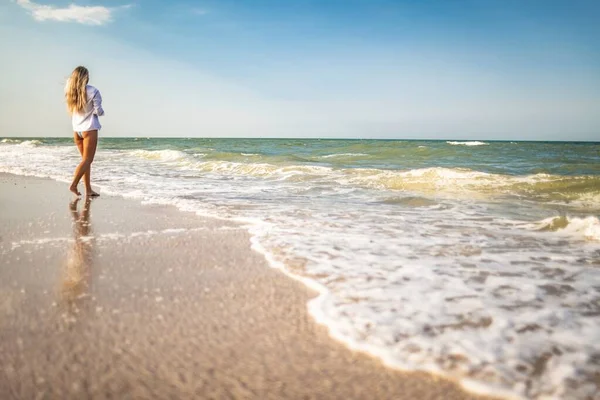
column 75, row 91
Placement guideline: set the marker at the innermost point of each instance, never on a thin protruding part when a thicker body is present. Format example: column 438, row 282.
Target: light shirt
column 88, row 120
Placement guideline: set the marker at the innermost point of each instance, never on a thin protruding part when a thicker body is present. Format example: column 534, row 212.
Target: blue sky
column 478, row 69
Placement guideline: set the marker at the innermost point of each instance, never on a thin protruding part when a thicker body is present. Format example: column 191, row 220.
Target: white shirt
column 88, row 119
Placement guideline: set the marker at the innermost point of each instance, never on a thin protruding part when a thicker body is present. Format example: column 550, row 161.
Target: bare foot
column 91, row 193
column 74, row 190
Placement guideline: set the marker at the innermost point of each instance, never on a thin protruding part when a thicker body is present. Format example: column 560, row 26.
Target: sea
column 476, row 260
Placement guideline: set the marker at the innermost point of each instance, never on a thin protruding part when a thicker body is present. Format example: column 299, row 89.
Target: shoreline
column 181, row 311
column 471, row 386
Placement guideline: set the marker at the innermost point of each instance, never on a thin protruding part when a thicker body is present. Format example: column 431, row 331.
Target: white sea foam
column 7, row 140
column 160, row 155
column 587, row 228
column 470, row 143
column 407, row 268
column 30, row 143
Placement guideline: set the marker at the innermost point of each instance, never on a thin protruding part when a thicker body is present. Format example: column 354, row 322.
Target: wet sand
column 114, row 299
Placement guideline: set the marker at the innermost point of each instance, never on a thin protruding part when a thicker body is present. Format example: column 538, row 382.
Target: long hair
column 75, row 91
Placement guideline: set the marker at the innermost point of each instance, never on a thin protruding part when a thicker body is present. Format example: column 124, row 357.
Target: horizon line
column 311, row 138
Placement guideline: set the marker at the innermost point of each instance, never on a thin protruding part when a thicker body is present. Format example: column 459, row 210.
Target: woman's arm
column 97, row 100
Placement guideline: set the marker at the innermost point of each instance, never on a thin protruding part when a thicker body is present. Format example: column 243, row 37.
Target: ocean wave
column 581, row 190
column 159, row 155
column 435, row 180
column 471, row 143
column 578, row 191
column 263, row 170
column 587, row 228
column 7, row 140
column 30, row 143
column 345, row 155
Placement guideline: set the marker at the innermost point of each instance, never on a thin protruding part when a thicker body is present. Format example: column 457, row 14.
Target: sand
column 147, row 302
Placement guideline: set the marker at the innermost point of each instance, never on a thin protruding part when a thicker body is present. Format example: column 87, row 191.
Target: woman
column 85, row 105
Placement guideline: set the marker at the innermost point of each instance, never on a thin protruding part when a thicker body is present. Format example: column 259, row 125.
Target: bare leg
column 79, row 143
column 90, row 141
column 88, row 185
column 86, row 176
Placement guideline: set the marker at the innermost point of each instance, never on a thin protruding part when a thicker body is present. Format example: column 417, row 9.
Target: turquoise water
column 513, row 158
column 477, row 260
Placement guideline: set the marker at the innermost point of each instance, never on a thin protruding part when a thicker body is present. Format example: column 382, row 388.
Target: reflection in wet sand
column 77, row 271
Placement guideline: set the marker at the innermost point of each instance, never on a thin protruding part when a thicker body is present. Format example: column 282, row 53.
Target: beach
column 474, row 261
column 146, row 301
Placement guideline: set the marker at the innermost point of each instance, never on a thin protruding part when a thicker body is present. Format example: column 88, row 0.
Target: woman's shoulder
column 91, row 89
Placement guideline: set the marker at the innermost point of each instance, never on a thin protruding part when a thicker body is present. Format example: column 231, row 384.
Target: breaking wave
column 472, row 143
column 436, row 180
column 587, row 228
column 159, row 155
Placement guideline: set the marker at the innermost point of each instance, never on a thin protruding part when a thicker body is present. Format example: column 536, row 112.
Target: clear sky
column 436, row 69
